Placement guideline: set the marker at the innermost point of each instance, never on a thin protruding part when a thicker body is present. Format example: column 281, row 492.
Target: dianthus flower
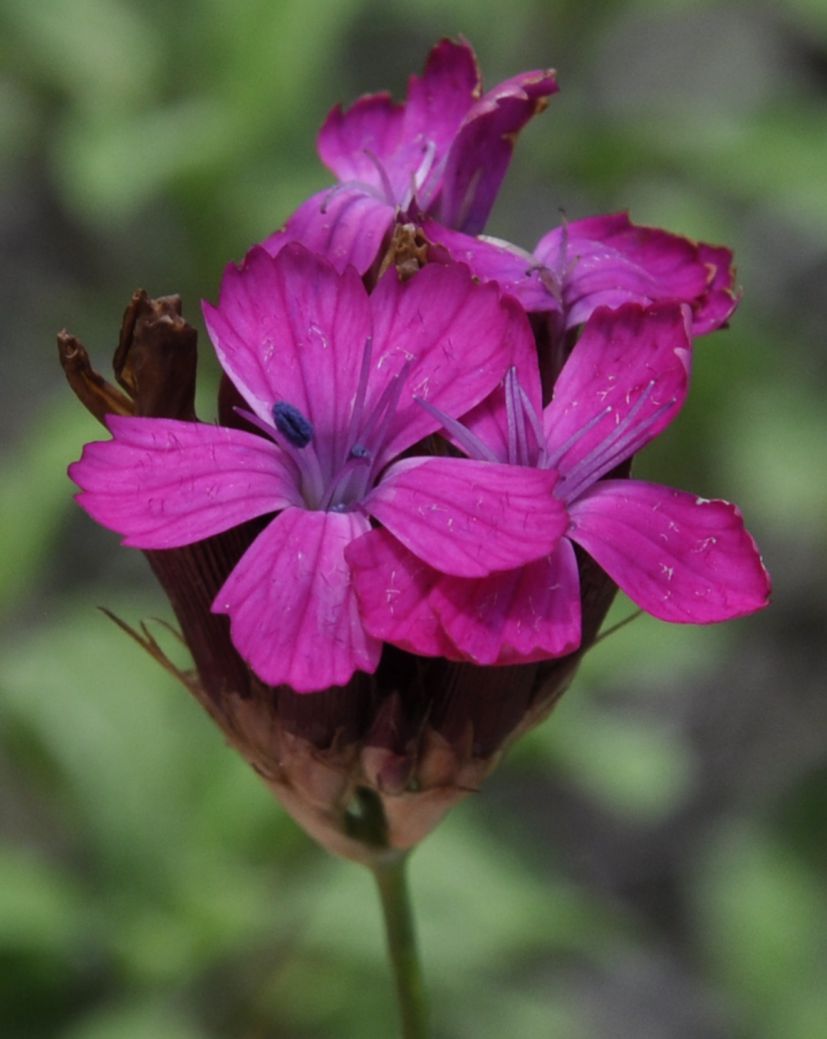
column 602, row 261
column 339, row 384
column 679, row 557
column 444, row 152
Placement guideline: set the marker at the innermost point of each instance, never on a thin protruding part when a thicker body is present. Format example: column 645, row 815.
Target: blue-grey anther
column 292, row 425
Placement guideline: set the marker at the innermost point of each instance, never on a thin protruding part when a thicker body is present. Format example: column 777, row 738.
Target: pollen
column 292, row 425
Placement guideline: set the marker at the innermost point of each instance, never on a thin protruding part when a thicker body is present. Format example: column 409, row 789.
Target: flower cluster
column 420, row 457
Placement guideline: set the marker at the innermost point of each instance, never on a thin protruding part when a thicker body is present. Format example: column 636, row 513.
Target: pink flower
column 679, row 557
column 333, row 379
column 444, row 151
column 602, row 261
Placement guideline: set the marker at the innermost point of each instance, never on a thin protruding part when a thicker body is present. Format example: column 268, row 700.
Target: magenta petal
column 515, row 270
column 679, row 557
column 163, row 483
column 624, row 382
column 482, row 149
column 489, row 420
column 720, row 300
column 291, row 329
column 457, row 336
column 439, row 99
column 436, row 105
column 346, row 225
column 293, row 613
column 351, row 142
column 392, row 587
column 608, row 261
column 469, row 518
column 515, row 616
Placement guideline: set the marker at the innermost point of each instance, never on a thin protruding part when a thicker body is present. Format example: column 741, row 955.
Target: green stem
column 391, row 878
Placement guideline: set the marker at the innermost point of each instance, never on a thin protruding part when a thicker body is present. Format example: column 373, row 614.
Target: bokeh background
column 651, row 861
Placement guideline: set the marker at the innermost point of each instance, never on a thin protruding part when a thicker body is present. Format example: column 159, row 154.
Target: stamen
column 387, row 187
column 609, row 446
column 524, row 425
column 536, row 427
column 341, row 490
column 254, row 420
column 514, row 407
column 292, row 424
column 308, row 470
column 555, row 280
column 358, row 409
column 463, row 209
column 419, row 176
column 622, row 442
column 512, row 427
column 352, row 478
column 386, row 405
column 468, row 441
column 552, row 283
column 556, row 456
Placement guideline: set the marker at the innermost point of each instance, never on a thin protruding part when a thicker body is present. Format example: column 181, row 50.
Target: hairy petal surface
column 290, row 328
column 679, row 557
column 457, row 337
column 624, row 382
column 469, row 518
column 393, row 588
column 164, row 483
column 482, row 149
column 293, row 613
column 517, row 615
column 346, row 224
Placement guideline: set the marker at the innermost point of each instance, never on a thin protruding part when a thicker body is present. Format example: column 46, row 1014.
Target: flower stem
column 391, row 878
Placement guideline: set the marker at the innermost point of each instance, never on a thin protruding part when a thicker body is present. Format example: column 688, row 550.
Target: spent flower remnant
column 443, row 152
column 679, row 557
column 333, row 379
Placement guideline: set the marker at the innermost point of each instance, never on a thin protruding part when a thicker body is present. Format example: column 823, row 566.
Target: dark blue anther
column 292, row 425
column 358, row 451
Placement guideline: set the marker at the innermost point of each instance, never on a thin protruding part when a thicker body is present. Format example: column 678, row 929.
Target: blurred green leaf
column 142, row 1021
column 36, row 492
column 760, row 920
column 774, row 159
column 634, row 766
column 103, row 53
column 41, row 910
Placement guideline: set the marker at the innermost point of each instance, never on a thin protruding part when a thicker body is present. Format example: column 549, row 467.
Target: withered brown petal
column 98, row 396
column 156, row 358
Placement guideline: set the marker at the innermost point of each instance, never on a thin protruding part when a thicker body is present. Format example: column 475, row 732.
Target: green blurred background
column 651, row 861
